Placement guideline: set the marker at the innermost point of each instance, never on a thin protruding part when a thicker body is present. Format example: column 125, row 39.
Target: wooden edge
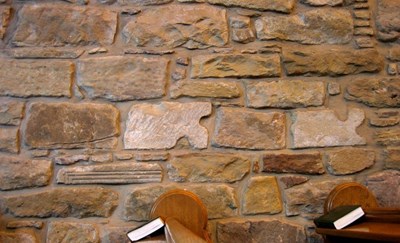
column 177, row 233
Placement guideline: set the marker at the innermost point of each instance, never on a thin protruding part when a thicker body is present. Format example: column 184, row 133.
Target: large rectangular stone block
column 388, row 20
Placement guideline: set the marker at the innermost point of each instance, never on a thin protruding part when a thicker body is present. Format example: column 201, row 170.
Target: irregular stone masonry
column 260, row 107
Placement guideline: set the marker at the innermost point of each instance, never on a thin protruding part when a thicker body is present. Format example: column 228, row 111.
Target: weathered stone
column 40, row 153
column 213, row 167
column 285, row 6
column 19, row 173
column 263, row 130
column 66, row 125
column 385, row 185
column 388, row 20
column 5, row 14
column 143, row 2
column 375, row 92
column 190, row 26
column 151, row 126
column 323, row 2
column 123, row 78
column 70, row 159
column 85, row 25
column 308, row 199
column 293, row 180
column 117, row 234
column 101, row 158
column 35, row 78
column 392, row 158
column 80, row 2
column 97, row 50
column 362, row 14
column 236, row 66
column 259, row 230
column 217, row 89
column 262, row 196
column 151, row 156
column 311, row 27
column 331, row 61
column 334, row 88
column 394, row 54
column 387, row 113
column 149, row 52
column 364, row 42
column 9, row 139
column 220, row 200
column 123, row 156
column 45, row 53
column 20, row 237
column 349, row 160
column 11, row 112
column 285, row 94
column 361, row 5
column 361, row 23
column 25, row 224
column 63, row 202
column 72, row 232
column 364, row 31
column 241, row 30
column 178, row 74
column 323, row 129
column 384, row 122
column 304, row 163
column 115, row 173
column 392, row 68
column 388, row 137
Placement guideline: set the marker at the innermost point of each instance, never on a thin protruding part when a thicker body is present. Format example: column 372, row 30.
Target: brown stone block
column 304, row 163
column 11, row 112
column 385, row 185
column 349, row 160
column 9, row 139
column 72, row 232
column 285, row 6
column 23, row 237
column 388, row 20
column 388, row 137
column 209, row 89
column 5, row 13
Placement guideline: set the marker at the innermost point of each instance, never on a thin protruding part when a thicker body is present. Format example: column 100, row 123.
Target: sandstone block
column 379, row 183
column 304, row 163
column 63, row 202
column 44, row 53
column 213, row 167
column 66, row 125
column 263, row 130
column 21, row 237
column 349, row 160
column 116, row 173
column 388, row 20
column 388, row 137
column 25, row 224
column 35, row 78
column 310, row 27
column 85, row 25
column 117, row 234
column 262, row 195
column 19, row 173
column 323, row 129
column 323, row 2
column 9, row 139
column 151, row 156
column 236, row 66
column 394, row 54
column 285, row 94
column 123, row 78
column 375, row 92
column 72, row 232
column 160, row 126
column 292, row 180
column 334, row 88
column 285, row 6
column 11, row 112
column 384, row 122
column 259, row 230
column 392, row 158
column 214, row 89
column 70, row 159
column 143, row 2
column 241, row 29
column 101, row 158
column 5, row 14
column 190, row 26
column 331, row 61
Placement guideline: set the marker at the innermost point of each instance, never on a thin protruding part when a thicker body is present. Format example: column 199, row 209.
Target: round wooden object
column 185, row 207
column 351, row 193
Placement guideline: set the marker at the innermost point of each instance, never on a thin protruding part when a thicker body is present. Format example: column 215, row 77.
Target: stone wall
column 260, row 107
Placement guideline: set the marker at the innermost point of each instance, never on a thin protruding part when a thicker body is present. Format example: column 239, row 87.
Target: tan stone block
column 72, row 232
column 349, row 160
column 392, row 158
column 209, row 89
column 44, row 53
column 285, row 6
column 11, row 112
column 388, row 137
column 9, row 139
column 5, row 14
column 385, row 185
column 388, row 20
column 23, row 237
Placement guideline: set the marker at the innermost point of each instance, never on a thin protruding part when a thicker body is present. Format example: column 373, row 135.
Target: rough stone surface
column 35, row 78
column 72, row 232
column 117, row 234
column 304, row 163
column 262, row 195
column 101, row 158
column 5, row 13
column 241, row 29
column 381, row 183
column 323, row 2
column 63, row 202
column 392, row 158
column 384, row 122
column 160, row 126
column 334, row 88
column 394, row 54
column 308, row 199
column 11, row 112
column 44, row 53
column 120, row 78
column 70, row 159
column 151, row 156
column 388, row 20
column 311, row 27
column 25, row 224
column 285, row 6
column 259, row 230
column 17, row 173
column 236, row 66
column 220, row 200
column 143, row 2
column 331, row 61
column 9, row 141
column 392, row 69
column 323, row 129
column 214, row 89
column 375, row 92
column 285, row 94
column 190, row 26
column 349, row 160
column 208, row 168
column 20, row 237
column 388, row 137
column 66, row 125
column 115, row 173
column 46, row 25
column 293, row 180
column 263, row 130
